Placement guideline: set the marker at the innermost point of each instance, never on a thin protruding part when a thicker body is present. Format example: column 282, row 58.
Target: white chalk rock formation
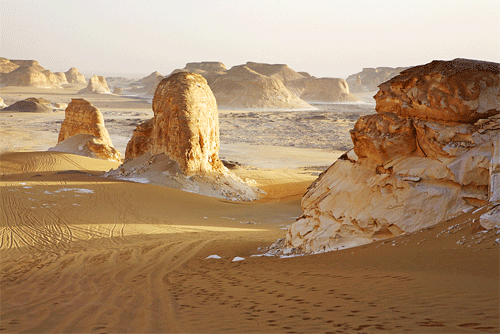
column 97, row 85
column 242, row 87
column 83, row 132
column 74, row 76
column 430, row 153
column 179, row 146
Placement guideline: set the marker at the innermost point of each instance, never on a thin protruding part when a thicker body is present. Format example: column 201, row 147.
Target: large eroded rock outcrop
column 242, row 87
column 430, row 153
column 83, row 132
column 97, row 85
column 179, row 146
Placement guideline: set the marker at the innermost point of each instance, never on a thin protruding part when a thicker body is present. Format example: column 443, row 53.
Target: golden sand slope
column 82, row 253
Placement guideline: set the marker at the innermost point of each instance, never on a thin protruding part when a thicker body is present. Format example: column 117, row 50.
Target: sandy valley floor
column 81, row 253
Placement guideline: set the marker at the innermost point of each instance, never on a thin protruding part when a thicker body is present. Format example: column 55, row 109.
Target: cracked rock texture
column 430, row 153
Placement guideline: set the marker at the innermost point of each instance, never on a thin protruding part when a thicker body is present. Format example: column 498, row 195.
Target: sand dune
column 83, row 253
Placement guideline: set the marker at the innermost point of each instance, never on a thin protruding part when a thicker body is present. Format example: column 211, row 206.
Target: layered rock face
column 74, row 76
column 430, row 153
column 179, row 146
column 83, row 132
column 242, row 87
column 97, row 85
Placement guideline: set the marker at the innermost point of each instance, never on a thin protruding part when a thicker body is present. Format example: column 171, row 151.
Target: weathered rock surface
column 97, row 85
column 74, row 76
column 2, row 103
column 242, row 87
column 445, row 91
column 413, row 164
column 30, row 105
column 179, row 146
column 83, row 132
column 369, row 78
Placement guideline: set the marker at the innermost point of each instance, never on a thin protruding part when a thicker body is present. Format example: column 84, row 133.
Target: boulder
column 2, row 103
column 413, row 164
column 83, row 132
column 74, row 76
column 242, row 87
column 179, row 146
column 96, row 85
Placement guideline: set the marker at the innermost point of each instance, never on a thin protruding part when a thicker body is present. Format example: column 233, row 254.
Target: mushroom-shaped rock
column 83, row 132
column 430, row 154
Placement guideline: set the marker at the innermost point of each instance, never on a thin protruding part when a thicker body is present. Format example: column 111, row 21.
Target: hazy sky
column 325, row 38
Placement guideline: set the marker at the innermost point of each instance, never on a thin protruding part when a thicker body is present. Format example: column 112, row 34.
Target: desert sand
column 82, row 253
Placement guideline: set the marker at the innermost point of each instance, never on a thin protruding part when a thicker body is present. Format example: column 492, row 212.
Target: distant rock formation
column 268, row 86
column 430, row 153
column 74, row 76
column 60, row 78
column 96, row 85
column 30, row 105
column 369, row 78
column 7, row 66
column 179, row 147
column 209, row 69
column 118, row 91
column 147, row 85
column 242, row 87
column 29, row 76
column 314, row 89
column 83, row 132
column 30, row 73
